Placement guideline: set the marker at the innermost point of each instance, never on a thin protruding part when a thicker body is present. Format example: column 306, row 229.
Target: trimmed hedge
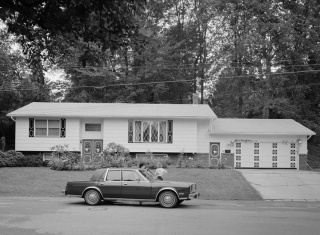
column 12, row 158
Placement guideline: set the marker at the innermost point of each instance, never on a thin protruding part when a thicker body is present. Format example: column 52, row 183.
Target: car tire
column 168, row 199
column 92, row 197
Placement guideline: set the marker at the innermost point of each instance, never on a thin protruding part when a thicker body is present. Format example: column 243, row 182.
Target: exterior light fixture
column 299, row 141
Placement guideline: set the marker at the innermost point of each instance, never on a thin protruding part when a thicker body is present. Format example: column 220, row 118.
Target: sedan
column 121, row 184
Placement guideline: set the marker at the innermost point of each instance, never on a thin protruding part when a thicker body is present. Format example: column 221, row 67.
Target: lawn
column 212, row 184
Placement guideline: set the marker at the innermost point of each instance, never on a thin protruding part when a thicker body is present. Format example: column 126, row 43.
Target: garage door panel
column 266, row 155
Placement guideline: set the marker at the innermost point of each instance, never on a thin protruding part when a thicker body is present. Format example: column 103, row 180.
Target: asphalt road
column 23, row 215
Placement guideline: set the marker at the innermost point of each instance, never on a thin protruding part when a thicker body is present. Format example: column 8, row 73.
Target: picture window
column 47, row 127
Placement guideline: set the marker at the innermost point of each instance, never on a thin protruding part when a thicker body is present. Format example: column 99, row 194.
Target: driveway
column 284, row 184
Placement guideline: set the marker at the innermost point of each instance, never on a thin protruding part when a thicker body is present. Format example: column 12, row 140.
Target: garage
column 266, row 155
column 259, row 143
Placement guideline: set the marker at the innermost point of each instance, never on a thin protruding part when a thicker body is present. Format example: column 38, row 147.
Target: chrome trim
column 167, row 188
column 128, row 199
column 91, row 187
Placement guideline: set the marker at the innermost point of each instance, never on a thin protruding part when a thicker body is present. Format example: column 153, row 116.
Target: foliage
column 65, row 160
column 116, row 155
column 12, row 158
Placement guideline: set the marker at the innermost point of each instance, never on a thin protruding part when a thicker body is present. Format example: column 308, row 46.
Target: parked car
column 113, row 184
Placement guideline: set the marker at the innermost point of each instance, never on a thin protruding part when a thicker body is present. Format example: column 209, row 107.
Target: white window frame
column 150, row 122
column 47, row 128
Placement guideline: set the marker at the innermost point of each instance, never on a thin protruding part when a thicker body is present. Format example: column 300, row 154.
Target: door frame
column 95, row 150
column 213, row 158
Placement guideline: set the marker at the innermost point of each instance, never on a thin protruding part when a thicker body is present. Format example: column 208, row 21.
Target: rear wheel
column 168, row 199
column 92, row 197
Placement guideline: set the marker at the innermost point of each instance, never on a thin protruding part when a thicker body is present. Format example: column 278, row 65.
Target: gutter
column 13, row 119
column 309, row 137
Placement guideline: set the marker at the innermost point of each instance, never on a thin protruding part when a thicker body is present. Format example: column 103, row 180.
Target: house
column 163, row 129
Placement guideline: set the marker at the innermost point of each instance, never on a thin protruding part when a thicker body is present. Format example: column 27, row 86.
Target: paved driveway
column 284, row 184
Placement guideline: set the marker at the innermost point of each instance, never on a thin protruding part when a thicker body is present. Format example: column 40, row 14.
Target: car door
column 134, row 186
column 111, row 187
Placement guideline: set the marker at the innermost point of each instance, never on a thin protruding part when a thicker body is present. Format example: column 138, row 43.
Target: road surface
column 64, row 216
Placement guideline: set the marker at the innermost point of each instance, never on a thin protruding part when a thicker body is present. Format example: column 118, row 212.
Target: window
column 130, row 176
column 92, row 127
column 150, row 131
column 44, row 127
column 113, row 175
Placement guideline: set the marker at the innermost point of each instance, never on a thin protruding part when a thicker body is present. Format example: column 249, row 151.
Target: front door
column 134, row 187
column 214, row 154
column 92, row 150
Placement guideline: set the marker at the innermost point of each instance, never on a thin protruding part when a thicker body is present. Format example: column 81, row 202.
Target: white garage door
column 266, row 155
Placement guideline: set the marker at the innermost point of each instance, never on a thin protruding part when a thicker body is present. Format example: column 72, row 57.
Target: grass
column 213, row 184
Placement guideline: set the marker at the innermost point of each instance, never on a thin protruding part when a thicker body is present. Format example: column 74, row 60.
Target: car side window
column 129, row 176
column 114, row 175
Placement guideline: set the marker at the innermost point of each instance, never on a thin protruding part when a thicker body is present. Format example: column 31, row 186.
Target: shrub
column 116, row 155
column 64, row 160
column 12, row 158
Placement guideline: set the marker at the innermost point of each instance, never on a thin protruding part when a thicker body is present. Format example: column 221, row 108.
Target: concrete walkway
column 288, row 184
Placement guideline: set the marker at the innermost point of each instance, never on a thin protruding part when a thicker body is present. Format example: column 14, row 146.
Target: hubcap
column 168, row 199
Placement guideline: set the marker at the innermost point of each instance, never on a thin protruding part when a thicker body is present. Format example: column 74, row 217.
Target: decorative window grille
column 256, row 145
column 274, row 145
column 293, row 158
column 292, row 165
column 293, row 145
column 274, row 164
column 293, row 152
column 137, row 131
column 256, row 164
column 238, row 158
column 274, row 158
column 238, row 164
column 238, row 145
column 238, row 151
column 256, row 151
column 151, row 131
column 256, row 158
column 274, row 151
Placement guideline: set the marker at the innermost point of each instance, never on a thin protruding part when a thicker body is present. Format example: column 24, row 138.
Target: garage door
column 266, row 155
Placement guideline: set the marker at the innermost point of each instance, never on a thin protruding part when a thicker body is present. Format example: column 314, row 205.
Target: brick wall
column 303, row 160
column 228, row 159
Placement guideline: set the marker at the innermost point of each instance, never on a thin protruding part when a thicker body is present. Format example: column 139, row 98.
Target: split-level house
column 163, row 130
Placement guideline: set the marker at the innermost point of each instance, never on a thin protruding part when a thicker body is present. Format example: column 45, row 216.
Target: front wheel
column 168, row 199
column 92, row 197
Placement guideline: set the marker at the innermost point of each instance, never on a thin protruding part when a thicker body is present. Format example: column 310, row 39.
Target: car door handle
column 125, row 184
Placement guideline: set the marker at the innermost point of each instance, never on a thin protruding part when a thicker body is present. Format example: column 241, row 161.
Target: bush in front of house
column 66, row 162
column 12, row 158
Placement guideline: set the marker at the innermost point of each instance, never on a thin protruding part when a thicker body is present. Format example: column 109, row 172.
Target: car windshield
column 148, row 175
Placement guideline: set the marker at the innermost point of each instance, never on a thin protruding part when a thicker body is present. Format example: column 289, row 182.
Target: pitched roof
column 121, row 110
column 258, row 126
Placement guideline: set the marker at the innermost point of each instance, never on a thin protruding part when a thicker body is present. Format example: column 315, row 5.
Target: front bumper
column 194, row 195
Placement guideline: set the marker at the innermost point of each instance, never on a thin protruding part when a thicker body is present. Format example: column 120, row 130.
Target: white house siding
column 184, row 136
column 26, row 143
column 91, row 134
